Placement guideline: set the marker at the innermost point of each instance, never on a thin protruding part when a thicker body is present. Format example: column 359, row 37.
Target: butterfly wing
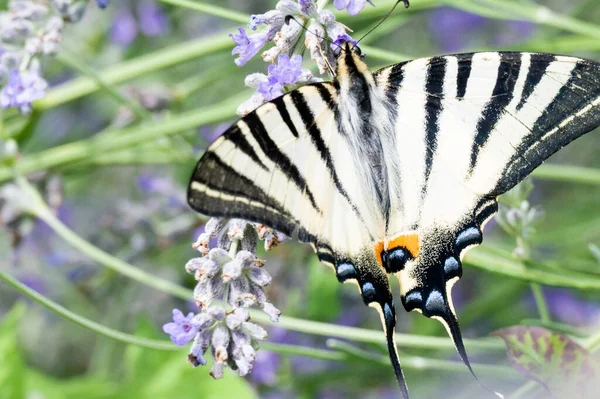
column 470, row 127
column 287, row 165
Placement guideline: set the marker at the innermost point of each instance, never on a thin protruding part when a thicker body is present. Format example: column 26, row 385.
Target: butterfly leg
column 375, row 290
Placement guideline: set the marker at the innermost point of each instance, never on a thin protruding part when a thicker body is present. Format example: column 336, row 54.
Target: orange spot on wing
column 408, row 241
column 378, row 249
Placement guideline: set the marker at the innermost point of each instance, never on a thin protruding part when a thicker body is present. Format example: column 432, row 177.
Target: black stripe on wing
column 464, row 73
column 285, row 115
column 434, row 87
column 537, row 69
column 249, row 201
column 240, row 142
column 282, row 161
column 577, row 106
column 308, row 118
column 508, row 73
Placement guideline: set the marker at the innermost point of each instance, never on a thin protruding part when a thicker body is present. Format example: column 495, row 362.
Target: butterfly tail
column 451, row 323
column 389, row 323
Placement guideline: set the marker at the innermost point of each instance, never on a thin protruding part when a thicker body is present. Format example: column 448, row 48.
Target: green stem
column 170, row 56
column 297, row 350
column 540, row 302
column 38, row 208
column 375, row 337
column 498, row 262
column 65, row 58
column 222, row 12
column 568, row 173
column 109, row 142
column 417, row 362
column 82, row 321
column 527, row 11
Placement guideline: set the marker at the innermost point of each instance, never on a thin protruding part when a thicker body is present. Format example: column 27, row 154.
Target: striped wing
column 468, row 128
column 286, row 165
column 472, row 126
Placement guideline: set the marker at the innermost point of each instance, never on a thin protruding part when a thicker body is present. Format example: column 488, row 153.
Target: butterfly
column 398, row 171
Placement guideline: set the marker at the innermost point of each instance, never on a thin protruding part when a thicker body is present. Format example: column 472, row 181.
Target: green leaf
column 554, row 360
column 12, row 372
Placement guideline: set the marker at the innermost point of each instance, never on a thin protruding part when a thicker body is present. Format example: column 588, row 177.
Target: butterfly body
column 397, row 171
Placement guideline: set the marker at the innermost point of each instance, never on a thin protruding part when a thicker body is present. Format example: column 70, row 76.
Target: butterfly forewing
column 287, row 166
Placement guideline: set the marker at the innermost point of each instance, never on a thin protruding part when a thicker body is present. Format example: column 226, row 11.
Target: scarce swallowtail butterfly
column 397, row 171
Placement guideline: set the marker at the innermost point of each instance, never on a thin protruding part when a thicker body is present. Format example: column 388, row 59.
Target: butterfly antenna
column 406, row 5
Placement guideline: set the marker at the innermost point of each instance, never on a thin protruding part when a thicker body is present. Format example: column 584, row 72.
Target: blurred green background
column 111, row 147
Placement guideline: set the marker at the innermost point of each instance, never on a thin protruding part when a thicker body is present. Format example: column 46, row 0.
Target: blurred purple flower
column 152, row 20
column 247, row 46
column 22, row 89
column 151, row 184
column 102, row 3
column 34, row 282
column 211, row 133
column 124, row 28
column 181, row 329
column 513, row 32
column 352, row 6
column 265, row 368
column 452, row 28
column 350, row 317
column 571, row 309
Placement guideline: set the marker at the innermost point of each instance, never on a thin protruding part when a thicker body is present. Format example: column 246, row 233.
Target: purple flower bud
column 287, row 69
column 342, row 39
column 247, row 46
column 308, row 8
column 255, row 331
column 272, row 311
column 219, row 255
column 22, row 89
column 259, row 276
column 352, row 6
column 256, row 20
column 181, row 330
column 271, row 89
column 199, row 347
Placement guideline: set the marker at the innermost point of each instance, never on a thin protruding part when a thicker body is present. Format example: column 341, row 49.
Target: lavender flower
column 28, row 30
column 181, row 330
column 352, row 6
column 283, row 27
column 287, row 71
column 230, row 271
column 247, row 46
column 22, row 89
column 341, row 39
